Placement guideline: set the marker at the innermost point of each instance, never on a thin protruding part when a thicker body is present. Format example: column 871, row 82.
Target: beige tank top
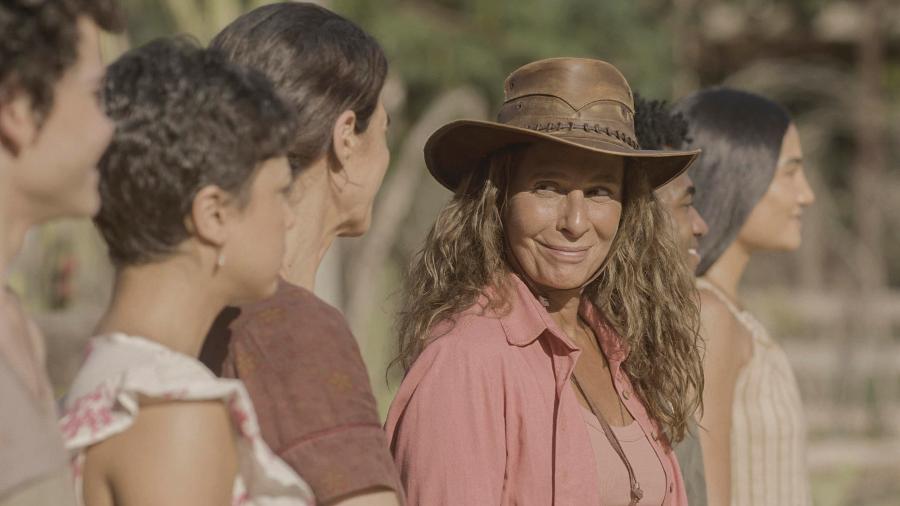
column 768, row 430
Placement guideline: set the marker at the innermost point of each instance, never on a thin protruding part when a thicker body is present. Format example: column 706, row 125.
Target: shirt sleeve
column 311, row 392
column 447, row 429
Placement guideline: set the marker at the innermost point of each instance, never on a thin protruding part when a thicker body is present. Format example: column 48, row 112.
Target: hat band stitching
column 555, row 126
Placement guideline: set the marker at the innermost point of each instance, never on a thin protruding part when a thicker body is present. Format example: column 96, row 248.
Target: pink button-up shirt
column 486, row 414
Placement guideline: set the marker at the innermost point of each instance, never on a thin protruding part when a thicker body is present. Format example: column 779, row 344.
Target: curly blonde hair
column 645, row 289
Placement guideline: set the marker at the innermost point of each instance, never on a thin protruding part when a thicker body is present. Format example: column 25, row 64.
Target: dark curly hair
column 39, row 42
column 185, row 118
column 321, row 62
column 656, row 126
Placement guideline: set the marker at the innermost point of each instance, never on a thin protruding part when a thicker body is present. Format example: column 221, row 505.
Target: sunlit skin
column 562, row 215
column 677, row 197
column 50, row 166
column 334, row 196
column 774, row 224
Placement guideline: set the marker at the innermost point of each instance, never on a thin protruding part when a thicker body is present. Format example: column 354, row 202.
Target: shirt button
column 671, row 487
column 625, row 394
column 655, row 436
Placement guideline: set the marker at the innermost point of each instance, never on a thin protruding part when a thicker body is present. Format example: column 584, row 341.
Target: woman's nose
column 574, row 214
column 806, row 196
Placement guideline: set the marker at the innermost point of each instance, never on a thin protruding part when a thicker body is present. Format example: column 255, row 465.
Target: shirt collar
column 527, row 319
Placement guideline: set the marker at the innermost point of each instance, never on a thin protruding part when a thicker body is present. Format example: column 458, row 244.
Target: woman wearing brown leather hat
column 549, row 336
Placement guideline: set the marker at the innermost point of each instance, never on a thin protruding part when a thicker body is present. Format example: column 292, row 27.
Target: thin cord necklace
column 636, row 493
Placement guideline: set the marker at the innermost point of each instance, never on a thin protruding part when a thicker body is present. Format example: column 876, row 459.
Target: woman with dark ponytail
column 296, row 354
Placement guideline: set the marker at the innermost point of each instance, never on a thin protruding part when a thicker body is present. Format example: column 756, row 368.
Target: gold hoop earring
column 220, row 260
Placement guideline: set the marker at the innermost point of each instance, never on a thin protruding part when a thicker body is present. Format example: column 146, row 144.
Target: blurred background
column 835, row 304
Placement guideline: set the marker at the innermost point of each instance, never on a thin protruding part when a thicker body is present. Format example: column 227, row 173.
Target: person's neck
column 169, row 302
column 14, row 225
column 726, row 273
column 563, row 308
column 317, row 224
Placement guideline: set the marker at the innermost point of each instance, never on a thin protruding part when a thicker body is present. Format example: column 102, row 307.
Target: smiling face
column 562, row 214
column 58, row 166
column 677, row 197
column 775, row 222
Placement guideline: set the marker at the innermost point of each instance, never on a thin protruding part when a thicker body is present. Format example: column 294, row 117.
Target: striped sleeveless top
column 768, row 429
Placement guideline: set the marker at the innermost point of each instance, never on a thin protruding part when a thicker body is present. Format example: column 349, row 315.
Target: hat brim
column 460, row 146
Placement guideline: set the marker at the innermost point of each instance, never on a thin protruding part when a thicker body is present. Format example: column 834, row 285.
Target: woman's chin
column 563, row 283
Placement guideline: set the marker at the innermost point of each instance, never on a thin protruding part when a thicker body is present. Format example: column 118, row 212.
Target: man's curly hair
column 656, row 127
column 39, row 42
column 186, row 118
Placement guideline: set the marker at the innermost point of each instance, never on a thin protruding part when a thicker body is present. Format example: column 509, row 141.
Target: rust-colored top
column 309, row 385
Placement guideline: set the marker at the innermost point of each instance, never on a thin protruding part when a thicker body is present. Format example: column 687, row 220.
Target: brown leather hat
column 572, row 101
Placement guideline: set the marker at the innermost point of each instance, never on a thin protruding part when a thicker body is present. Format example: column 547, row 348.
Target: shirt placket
column 626, row 396
column 564, row 359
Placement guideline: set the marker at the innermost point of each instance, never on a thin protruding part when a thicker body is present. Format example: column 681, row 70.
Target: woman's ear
column 18, row 122
column 344, row 139
column 209, row 215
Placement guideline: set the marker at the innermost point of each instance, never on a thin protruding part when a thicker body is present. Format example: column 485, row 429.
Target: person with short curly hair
column 657, row 127
column 52, row 132
column 194, row 210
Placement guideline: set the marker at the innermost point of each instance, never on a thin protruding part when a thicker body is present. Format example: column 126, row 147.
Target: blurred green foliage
column 438, row 44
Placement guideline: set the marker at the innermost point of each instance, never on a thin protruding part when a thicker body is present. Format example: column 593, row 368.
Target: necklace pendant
column 636, row 495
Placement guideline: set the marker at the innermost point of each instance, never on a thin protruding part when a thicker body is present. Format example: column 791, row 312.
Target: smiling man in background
column 657, row 128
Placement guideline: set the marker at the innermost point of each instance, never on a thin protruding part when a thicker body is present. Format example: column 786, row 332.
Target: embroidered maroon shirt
column 309, row 385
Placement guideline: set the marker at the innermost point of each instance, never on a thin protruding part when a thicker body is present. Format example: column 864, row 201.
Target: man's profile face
column 677, row 197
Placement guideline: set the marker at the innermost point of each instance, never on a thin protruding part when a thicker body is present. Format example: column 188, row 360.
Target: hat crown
column 576, row 81
column 576, row 102
column 571, row 97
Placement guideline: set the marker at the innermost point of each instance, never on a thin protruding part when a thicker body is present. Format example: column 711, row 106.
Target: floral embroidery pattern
column 89, row 412
column 136, row 371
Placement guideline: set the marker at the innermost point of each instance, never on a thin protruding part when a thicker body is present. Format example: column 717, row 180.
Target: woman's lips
column 571, row 254
column 693, row 257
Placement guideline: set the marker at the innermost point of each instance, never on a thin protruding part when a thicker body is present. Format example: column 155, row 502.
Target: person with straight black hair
column 296, row 353
column 194, row 206
column 752, row 192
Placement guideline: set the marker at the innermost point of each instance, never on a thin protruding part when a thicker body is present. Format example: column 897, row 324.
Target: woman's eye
column 792, row 170
column 597, row 193
column 545, row 188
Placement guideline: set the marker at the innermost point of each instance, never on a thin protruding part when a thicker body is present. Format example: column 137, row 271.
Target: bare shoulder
column 715, row 315
column 188, row 446
column 721, row 330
